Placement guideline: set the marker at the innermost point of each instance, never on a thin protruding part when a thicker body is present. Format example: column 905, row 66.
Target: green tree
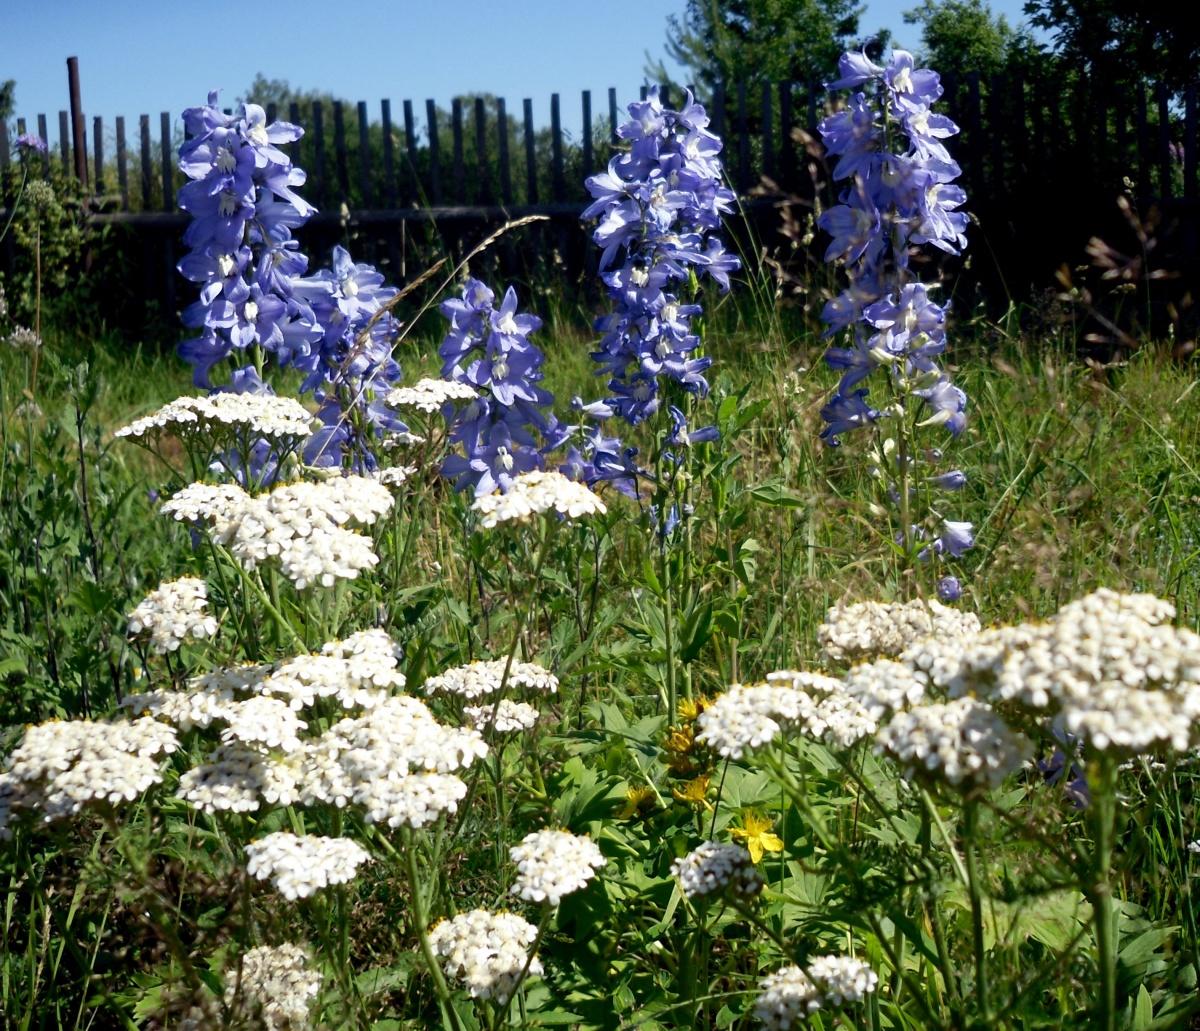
column 8, row 98
column 1121, row 42
column 961, row 36
column 758, row 40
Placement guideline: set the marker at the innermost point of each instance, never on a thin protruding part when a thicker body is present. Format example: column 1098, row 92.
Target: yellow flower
column 680, row 741
column 694, row 791
column 689, row 709
column 636, row 800
column 755, row 834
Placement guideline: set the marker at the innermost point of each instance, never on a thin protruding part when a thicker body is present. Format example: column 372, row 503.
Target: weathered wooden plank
column 506, row 194
column 588, row 159
column 98, row 153
column 293, row 148
column 44, row 133
column 1190, row 117
column 787, row 146
column 483, row 185
column 272, row 112
column 435, row 171
column 1162, row 100
column 64, row 141
column 743, row 141
column 558, row 180
column 531, row 184
column 366, row 197
column 339, row 151
column 413, row 193
column 389, row 154
column 613, row 139
column 767, row 130
column 168, row 165
column 147, row 171
column 456, row 130
column 318, row 154
column 717, row 114
column 122, row 170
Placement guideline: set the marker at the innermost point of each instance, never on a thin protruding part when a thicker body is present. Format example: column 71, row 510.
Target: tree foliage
column 961, row 36
column 1120, row 42
column 8, row 98
column 759, row 40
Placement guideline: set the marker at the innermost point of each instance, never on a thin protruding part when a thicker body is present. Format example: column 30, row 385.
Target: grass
column 1080, row 476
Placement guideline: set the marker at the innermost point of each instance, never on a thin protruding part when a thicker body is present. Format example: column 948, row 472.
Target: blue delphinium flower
column 30, row 143
column 899, row 195
column 255, row 298
column 509, row 428
column 657, row 205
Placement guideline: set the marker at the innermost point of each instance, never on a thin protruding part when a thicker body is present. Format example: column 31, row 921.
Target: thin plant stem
column 971, row 832
column 420, row 922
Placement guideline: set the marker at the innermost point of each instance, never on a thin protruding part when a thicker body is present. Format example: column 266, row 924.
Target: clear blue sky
column 147, row 57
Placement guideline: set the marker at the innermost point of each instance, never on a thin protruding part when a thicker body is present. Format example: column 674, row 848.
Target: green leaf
column 1143, row 1010
column 775, row 493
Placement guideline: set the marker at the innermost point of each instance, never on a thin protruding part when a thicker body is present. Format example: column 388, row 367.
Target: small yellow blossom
column 636, row 801
column 694, row 791
column 689, row 709
column 755, row 834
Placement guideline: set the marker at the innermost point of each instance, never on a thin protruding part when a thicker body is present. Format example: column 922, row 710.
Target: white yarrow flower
column 175, row 610
column 486, row 951
column 712, row 868
column 552, row 864
column 300, row 865
column 536, row 493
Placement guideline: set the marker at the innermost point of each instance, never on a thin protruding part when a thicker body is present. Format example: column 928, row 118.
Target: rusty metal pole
column 79, row 135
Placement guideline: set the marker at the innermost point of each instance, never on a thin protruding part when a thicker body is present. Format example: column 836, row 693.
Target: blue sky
column 137, row 57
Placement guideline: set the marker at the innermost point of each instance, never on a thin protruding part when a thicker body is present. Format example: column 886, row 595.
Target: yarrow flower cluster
column 274, row 985
column 300, row 865
column 60, row 767
column 963, row 742
column 1108, row 670
column 899, row 195
column 713, row 868
column 504, row 427
column 505, row 717
column 486, row 951
column 534, row 494
column 174, row 611
column 552, row 864
column 300, row 525
column 872, row 629
column 789, row 995
column 486, row 676
column 333, row 326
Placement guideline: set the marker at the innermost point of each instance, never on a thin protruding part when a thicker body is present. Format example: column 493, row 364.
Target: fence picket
column 122, row 170
column 98, row 152
column 483, row 190
column 339, row 151
column 318, row 157
column 147, row 176
column 364, row 156
column 64, row 141
column 531, row 190
column 456, row 132
column 389, row 154
column 586, row 103
column 506, row 194
column 558, row 180
column 435, row 183
column 44, row 133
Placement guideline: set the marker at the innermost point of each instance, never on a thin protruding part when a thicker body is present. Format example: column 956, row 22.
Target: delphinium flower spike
column 899, row 195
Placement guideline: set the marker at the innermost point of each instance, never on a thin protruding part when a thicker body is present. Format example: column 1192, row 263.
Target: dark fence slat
column 531, row 186
column 1189, row 142
column 413, row 193
column 44, row 133
column 998, row 133
column 767, row 129
column 718, row 110
column 743, row 140
column 21, row 127
column 506, row 194
column 318, row 157
column 339, row 150
column 456, row 130
column 435, row 171
column 147, row 172
column 389, row 154
column 7, row 247
column 1162, row 101
column 272, row 112
column 122, row 170
column 5, row 150
column 293, row 148
column 1143, row 141
column 558, row 179
column 975, row 132
column 98, row 152
column 612, row 116
column 168, row 166
column 644, row 92
column 787, row 146
column 64, row 141
column 664, row 94
column 586, row 104
column 815, row 90
column 483, row 186
column 364, row 156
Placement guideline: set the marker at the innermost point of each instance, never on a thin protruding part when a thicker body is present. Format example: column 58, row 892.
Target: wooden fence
column 1020, row 140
